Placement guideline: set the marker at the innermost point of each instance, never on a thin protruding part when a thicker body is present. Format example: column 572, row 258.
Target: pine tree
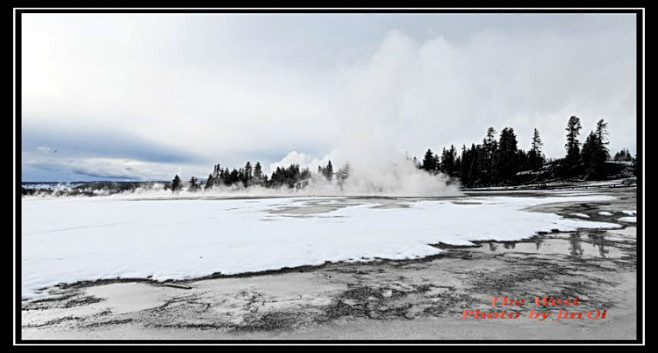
column 233, row 177
column 430, row 162
column 176, row 184
column 194, row 184
column 329, row 171
column 595, row 152
column 223, row 177
column 506, row 163
column 458, row 165
column 536, row 141
column 465, row 166
column 535, row 157
column 601, row 134
column 487, row 158
column 475, row 170
column 448, row 160
column 305, row 174
column 522, row 160
column 573, row 145
column 588, row 154
column 441, row 160
column 248, row 171
column 217, row 175
column 258, row 171
column 210, row 182
column 623, row 155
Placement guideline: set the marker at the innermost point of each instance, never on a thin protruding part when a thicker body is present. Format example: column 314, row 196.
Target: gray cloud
column 91, row 142
column 177, row 93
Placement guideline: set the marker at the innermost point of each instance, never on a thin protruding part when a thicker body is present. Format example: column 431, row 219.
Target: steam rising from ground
column 399, row 178
column 370, row 114
column 369, row 87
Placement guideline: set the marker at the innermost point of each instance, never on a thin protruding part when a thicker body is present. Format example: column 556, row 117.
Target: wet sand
column 411, row 299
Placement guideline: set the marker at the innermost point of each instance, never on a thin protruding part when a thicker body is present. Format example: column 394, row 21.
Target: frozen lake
column 65, row 240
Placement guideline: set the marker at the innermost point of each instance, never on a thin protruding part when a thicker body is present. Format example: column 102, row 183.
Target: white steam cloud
column 371, row 112
column 237, row 88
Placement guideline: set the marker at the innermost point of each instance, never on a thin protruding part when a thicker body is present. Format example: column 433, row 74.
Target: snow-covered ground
column 71, row 239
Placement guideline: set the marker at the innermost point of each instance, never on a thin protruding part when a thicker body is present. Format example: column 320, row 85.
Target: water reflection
column 576, row 249
column 575, row 246
column 599, row 241
column 492, row 246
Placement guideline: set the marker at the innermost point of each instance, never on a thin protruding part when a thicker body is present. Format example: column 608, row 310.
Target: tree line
column 496, row 161
column 292, row 176
column 499, row 161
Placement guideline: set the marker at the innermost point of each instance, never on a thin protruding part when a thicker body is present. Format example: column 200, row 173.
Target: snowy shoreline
column 72, row 240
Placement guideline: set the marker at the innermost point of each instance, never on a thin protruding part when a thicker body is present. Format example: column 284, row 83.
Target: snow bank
column 73, row 239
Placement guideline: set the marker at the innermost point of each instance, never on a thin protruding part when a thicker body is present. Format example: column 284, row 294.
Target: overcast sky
column 138, row 96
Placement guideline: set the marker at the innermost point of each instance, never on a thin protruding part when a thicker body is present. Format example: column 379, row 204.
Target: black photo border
column 17, row 13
